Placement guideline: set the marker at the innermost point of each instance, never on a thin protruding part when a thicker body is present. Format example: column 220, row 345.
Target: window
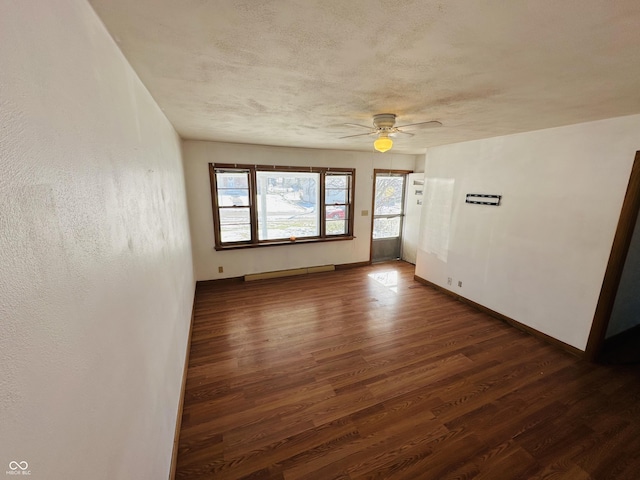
column 257, row 205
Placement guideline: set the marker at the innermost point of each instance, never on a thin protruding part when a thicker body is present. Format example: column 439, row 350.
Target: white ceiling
column 292, row 72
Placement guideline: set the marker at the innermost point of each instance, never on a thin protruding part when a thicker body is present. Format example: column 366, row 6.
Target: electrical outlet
column 220, row 269
column 459, row 283
column 449, row 280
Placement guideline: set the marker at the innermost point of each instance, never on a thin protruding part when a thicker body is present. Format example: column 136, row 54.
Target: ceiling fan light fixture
column 383, row 143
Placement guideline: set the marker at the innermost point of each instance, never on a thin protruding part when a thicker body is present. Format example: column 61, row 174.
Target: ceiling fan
column 384, row 128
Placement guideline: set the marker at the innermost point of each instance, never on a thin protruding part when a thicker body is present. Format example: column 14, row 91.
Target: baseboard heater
column 288, row 273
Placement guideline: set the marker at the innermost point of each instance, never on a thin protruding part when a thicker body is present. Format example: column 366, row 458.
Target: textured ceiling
column 292, row 72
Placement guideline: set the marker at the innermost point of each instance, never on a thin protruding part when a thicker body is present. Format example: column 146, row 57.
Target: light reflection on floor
column 387, row 279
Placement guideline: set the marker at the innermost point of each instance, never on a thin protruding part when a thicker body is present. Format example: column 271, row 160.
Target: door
column 388, row 215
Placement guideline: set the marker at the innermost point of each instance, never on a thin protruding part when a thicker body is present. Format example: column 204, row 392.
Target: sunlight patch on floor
column 387, row 279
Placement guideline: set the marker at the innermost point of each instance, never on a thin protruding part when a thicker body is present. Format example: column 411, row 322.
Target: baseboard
column 344, row 266
column 219, row 281
column 321, row 268
column 520, row 326
column 176, row 436
column 288, row 273
column 279, row 273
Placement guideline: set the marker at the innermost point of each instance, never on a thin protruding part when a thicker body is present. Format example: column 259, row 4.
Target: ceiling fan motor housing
column 384, row 121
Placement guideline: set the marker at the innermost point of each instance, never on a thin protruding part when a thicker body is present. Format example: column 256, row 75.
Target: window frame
column 254, row 240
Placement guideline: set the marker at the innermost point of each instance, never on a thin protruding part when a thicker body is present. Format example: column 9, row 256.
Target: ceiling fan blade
column 433, row 123
column 358, row 135
column 357, row 125
column 404, row 133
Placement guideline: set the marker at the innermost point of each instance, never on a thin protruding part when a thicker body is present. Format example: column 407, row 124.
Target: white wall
column 236, row 263
column 96, row 276
column 626, row 308
column 540, row 257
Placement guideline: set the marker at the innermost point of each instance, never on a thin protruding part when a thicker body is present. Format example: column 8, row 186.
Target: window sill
column 283, row 242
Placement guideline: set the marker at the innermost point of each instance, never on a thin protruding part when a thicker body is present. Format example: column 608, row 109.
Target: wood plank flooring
column 367, row 374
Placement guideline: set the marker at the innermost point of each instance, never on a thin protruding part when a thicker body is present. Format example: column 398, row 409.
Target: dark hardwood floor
column 365, row 373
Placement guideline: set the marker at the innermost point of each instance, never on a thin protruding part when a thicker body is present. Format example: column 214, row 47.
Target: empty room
column 319, row 239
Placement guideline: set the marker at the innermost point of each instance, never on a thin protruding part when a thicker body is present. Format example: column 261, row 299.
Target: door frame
column 376, row 171
column 617, row 258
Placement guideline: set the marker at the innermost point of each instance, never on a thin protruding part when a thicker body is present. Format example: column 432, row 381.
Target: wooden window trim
column 253, row 214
